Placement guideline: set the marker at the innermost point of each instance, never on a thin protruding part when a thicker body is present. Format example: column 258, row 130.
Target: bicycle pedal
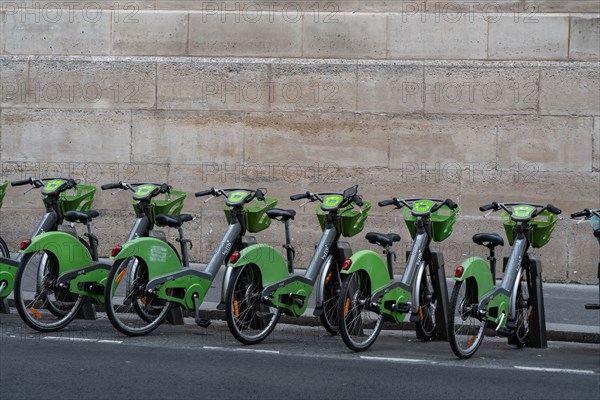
column 221, row 306
column 506, row 331
column 96, row 288
column 203, row 322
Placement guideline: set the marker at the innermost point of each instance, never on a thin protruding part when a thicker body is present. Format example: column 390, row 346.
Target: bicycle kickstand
column 201, row 322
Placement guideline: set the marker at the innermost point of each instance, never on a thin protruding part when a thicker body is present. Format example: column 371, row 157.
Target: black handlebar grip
column 583, row 213
column 553, row 209
column 299, row 196
column 357, row 200
column 21, row 182
column 384, row 203
column 487, row 207
column 109, row 186
column 260, row 196
column 204, row 193
column 451, row 204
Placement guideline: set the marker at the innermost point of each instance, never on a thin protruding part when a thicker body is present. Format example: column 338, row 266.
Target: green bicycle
column 263, row 285
column 44, row 299
column 149, row 276
column 370, row 292
column 476, row 301
column 594, row 217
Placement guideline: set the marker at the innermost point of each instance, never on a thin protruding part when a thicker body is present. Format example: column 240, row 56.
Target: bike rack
column 537, row 324
column 4, row 308
column 175, row 315
column 439, row 285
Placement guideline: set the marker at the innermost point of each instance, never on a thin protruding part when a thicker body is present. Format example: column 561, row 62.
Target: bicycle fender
column 67, row 249
column 273, row 267
column 478, row 269
column 160, row 258
column 8, row 272
column 373, row 265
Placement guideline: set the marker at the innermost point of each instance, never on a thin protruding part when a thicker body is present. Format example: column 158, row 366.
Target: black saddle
column 488, row 239
column 172, row 221
column 382, row 239
column 280, row 214
column 81, row 216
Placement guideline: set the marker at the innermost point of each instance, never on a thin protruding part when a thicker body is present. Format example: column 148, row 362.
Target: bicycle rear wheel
column 359, row 325
column 331, row 295
column 426, row 325
column 4, row 252
column 466, row 329
column 250, row 320
column 40, row 303
column 129, row 308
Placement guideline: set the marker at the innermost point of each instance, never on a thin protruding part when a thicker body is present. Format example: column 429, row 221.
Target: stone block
column 585, row 38
column 570, row 89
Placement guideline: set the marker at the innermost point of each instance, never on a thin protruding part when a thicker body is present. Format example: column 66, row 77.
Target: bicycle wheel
column 426, row 326
column 523, row 312
column 466, row 328
column 249, row 319
column 4, row 252
column 359, row 325
column 331, row 296
column 40, row 303
column 129, row 308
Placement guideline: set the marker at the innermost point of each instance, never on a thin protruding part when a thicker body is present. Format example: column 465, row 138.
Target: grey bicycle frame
column 415, row 267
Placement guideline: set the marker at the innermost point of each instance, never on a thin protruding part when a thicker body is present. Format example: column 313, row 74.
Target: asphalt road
column 90, row 360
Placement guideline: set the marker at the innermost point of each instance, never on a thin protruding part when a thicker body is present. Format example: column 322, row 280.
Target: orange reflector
column 471, row 340
column 120, row 276
column 421, row 313
column 236, row 308
column 143, row 300
column 36, row 313
column 328, row 277
column 347, row 307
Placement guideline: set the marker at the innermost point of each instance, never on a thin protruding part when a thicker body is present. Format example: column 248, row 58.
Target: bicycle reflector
column 459, row 271
column 25, row 244
column 347, row 264
column 116, row 250
column 234, row 257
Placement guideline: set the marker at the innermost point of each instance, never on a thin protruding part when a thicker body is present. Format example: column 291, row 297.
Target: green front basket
column 352, row 221
column 442, row 222
column 79, row 199
column 3, row 185
column 541, row 228
column 256, row 214
column 169, row 203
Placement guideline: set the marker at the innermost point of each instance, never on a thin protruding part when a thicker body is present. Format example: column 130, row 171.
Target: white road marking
column 110, row 341
column 562, row 370
column 409, row 360
column 245, row 350
column 69, row 339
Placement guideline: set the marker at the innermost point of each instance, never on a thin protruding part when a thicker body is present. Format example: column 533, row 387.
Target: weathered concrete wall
column 494, row 101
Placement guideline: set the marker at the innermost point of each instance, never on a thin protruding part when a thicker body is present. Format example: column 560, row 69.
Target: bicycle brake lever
column 580, row 221
column 117, row 191
column 487, row 214
column 305, row 203
column 210, row 198
column 30, row 189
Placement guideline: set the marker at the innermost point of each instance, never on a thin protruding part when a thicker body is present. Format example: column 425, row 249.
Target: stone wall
column 476, row 101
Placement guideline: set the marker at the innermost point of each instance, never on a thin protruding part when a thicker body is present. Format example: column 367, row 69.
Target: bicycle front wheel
column 40, row 303
column 250, row 320
column 523, row 310
column 426, row 325
column 359, row 324
column 466, row 328
column 129, row 308
column 331, row 296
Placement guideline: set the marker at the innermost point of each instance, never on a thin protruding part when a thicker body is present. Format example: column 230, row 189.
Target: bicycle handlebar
column 553, row 209
column 300, row 196
column 205, row 192
column 109, row 186
column 22, row 182
column 583, row 213
column 497, row 206
column 385, row 203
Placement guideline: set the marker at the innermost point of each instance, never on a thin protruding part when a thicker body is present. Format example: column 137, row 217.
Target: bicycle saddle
column 382, row 239
column 173, row 221
column 492, row 239
column 81, row 216
column 285, row 215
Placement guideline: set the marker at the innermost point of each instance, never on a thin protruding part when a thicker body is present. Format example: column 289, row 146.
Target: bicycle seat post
column 184, row 248
column 93, row 240
column 289, row 249
column 492, row 259
column 390, row 256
